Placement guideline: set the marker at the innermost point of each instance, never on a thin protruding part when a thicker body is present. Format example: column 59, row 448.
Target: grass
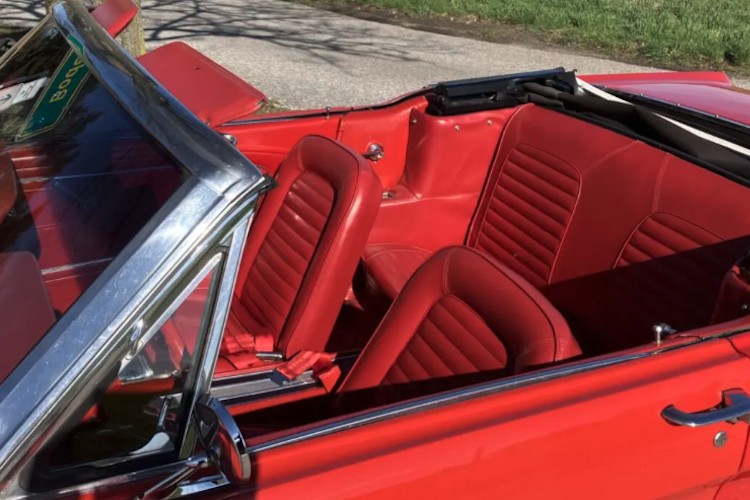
column 713, row 34
column 273, row 106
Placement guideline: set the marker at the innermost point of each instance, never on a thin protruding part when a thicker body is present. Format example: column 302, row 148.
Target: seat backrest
column 462, row 313
column 305, row 243
column 619, row 234
column 550, row 168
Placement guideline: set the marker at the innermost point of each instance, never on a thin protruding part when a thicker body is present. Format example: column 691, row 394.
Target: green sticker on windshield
column 59, row 94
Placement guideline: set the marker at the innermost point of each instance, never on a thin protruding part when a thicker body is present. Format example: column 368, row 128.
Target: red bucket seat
column 462, row 313
column 302, row 251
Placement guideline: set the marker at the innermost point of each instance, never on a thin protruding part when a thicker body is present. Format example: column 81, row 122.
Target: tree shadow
column 22, row 13
column 321, row 34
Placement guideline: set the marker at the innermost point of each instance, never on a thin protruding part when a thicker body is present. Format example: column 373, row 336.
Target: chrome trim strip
column 219, row 316
column 77, row 265
column 452, row 397
column 53, row 178
column 259, row 388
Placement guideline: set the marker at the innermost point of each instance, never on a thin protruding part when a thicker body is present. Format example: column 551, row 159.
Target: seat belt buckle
column 269, row 356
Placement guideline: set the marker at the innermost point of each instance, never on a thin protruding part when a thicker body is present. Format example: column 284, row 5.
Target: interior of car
column 447, row 238
column 507, row 239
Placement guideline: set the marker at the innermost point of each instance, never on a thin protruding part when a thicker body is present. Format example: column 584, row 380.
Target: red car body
column 592, row 430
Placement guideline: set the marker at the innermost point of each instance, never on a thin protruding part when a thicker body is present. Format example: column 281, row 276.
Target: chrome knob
column 374, row 152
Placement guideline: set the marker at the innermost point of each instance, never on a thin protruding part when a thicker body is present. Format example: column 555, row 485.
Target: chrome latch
column 230, row 139
column 661, row 330
column 374, row 152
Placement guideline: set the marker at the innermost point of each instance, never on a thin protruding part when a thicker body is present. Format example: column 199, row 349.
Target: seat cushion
column 389, row 267
column 462, row 313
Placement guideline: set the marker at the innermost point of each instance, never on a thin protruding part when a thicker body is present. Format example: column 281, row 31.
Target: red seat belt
column 321, row 364
column 258, row 342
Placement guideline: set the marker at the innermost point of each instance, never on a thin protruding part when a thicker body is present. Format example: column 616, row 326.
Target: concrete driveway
column 308, row 57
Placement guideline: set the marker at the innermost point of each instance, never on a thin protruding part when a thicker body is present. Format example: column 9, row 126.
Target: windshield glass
column 78, row 179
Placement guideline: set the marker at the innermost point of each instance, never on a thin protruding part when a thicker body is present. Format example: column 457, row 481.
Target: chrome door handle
column 735, row 406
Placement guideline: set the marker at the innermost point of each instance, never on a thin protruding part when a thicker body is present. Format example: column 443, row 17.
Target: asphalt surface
column 306, row 57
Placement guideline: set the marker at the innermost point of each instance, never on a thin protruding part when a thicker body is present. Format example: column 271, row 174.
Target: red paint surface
column 711, row 93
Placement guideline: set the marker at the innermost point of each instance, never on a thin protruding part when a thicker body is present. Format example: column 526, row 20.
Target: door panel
column 597, row 434
column 738, row 487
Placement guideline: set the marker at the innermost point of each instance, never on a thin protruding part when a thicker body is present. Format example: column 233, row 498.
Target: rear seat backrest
column 550, row 177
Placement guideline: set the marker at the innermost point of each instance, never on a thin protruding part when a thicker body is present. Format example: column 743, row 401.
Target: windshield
column 78, row 179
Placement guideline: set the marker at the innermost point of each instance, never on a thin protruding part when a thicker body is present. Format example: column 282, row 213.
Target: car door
column 593, row 429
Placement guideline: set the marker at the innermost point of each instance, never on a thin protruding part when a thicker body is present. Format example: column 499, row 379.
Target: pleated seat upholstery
column 302, row 251
column 462, row 313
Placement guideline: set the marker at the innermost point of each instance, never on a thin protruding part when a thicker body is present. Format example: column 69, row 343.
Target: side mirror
column 222, row 439
column 223, row 446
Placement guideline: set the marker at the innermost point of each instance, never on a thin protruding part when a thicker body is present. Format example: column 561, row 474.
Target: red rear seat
column 534, row 188
column 566, row 199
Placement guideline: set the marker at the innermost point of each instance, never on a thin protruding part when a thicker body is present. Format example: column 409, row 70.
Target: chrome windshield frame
column 213, row 202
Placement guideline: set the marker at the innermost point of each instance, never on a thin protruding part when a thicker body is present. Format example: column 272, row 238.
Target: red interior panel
column 267, row 143
column 24, row 306
column 388, row 127
column 115, row 15
column 7, row 185
column 446, row 167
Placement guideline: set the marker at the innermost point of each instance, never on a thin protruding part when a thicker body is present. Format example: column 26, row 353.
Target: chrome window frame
column 213, row 203
column 230, row 252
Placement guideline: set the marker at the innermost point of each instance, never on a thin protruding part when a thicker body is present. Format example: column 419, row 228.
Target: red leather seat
column 25, row 308
column 302, row 250
column 462, row 313
column 7, row 184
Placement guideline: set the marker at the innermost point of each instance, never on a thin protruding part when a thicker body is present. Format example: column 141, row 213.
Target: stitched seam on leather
column 515, row 283
column 471, row 310
column 654, row 205
column 394, row 249
column 406, row 345
column 657, row 184
column 437, row 354
column 299, row 304
column 566, row 231
column 527, row 161
column 324, row 257
column 477, row 218
column 446, row 265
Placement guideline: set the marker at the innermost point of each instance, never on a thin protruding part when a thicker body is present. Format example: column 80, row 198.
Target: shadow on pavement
column 319, row 33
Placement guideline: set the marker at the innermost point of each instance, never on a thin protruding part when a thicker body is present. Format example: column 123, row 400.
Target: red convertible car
column 520, row 286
